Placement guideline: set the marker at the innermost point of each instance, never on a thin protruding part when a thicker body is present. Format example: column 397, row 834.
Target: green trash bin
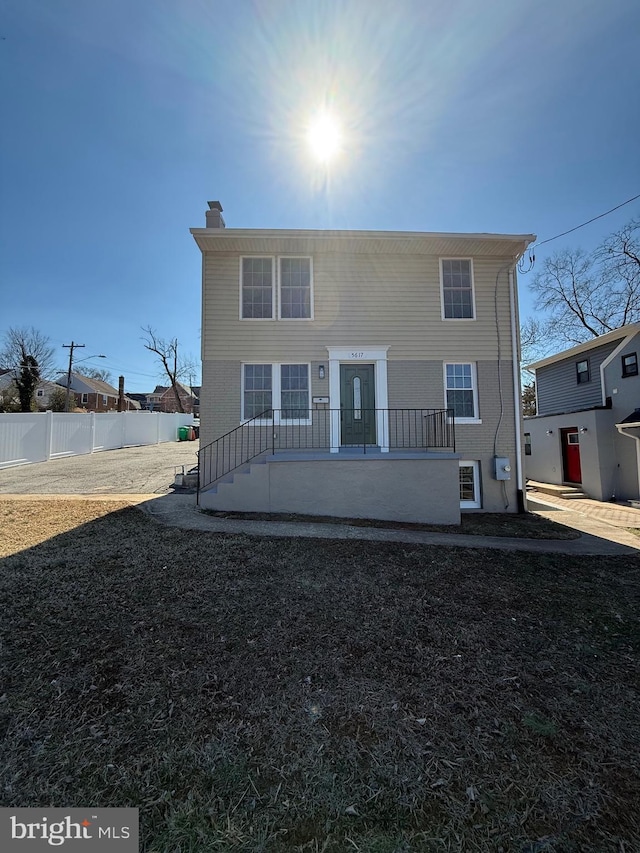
column 183, row 433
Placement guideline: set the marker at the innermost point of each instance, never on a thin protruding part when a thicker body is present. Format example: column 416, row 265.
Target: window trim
column 473, row 290
column 280, row 258
column 476, row 419
column 84, row 399
column 476, row 503
column 527, row 444
column 580, row 373
column 626, row 373
column 276, row 395
column 274, row 273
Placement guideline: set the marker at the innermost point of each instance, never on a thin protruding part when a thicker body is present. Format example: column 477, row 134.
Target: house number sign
column 357, row 355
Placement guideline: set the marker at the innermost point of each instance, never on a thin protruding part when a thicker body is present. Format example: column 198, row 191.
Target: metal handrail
column 316, row 429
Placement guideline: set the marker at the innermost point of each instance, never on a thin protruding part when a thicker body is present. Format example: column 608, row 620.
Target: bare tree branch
column 167, row 352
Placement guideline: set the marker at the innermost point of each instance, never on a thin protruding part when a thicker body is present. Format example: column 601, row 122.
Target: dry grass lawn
column 296, row 695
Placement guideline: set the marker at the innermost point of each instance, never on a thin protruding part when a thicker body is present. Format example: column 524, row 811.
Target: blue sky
column 121, row 119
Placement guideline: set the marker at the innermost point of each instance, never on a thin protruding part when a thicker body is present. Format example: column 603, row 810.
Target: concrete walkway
column 599, row 536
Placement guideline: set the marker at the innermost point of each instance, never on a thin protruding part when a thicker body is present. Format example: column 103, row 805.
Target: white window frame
column 84, row 398
column 476, row 503
column 39, row 393
column 295, row 257
column 276, row 395
column 473, row 292
column 476, row 419
column 274, row 273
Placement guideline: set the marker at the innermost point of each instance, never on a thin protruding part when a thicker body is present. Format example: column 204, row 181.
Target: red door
column 571, row 455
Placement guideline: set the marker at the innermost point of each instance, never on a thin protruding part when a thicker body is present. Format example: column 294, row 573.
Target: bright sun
column 324, row 137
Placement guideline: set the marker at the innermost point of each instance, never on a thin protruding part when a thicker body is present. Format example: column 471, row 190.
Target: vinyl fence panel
column 23, row 438
column 40, row 436
column 71, row 435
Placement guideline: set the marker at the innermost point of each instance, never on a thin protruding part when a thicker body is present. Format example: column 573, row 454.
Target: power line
column 600, row 216
column 522, row 268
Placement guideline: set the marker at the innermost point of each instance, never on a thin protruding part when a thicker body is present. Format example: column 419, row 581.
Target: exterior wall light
column 549, row 432
column 321, row 371
column 583, row 429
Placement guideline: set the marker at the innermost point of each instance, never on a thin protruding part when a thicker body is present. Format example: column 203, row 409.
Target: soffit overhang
column 250, row 241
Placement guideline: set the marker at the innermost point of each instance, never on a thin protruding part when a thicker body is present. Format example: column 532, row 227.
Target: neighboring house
column 168, row 402
column 94, row 395
column 163, row 399
column 141, row 399
column 41, row 395
column 44, row 391
column 587, row 428
column 345, row 362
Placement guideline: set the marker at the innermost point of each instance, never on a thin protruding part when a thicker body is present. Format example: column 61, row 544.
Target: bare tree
column 585, row 296
column 534, row 340
column 173, row 367
column 28, row 354
column 102, row 374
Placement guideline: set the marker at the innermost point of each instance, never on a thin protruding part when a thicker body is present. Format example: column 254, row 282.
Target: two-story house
column 366, row 374
column 587, row 428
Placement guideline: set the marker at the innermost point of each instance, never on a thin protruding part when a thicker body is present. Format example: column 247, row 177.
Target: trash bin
column 192, row 434
column 183, row 433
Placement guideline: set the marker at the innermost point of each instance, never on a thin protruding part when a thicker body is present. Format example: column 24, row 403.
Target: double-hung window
column 273, row 288
column 583, row 373
column 279, row 388
column 256, row 286
column 630, row 364
column 461, row 393
column 257, row 390
column 295, row 289
column 456, row 275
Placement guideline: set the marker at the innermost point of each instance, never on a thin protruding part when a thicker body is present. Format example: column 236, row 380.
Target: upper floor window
column 630, row 364
column 527, row 444
column 457, row 288
column 257, row 288
column 461, row 392
column 295, row 288
column 259, row 293
column 582, row 371
column 39, row 393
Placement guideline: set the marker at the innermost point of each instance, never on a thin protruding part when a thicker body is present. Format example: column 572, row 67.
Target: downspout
column 636, row 438
column 517, row 397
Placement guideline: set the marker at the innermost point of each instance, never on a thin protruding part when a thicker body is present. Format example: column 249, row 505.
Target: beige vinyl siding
column 360, row 300
column 221, row 394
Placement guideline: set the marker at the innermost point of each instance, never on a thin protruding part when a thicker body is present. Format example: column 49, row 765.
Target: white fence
column 41, row 436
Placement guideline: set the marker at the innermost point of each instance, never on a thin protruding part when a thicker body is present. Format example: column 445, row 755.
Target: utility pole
column 73, row 345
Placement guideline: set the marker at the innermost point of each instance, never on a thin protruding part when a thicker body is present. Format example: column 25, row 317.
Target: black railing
column 325, row 429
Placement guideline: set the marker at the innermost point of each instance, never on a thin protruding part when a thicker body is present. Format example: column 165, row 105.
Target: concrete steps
column 568, row 493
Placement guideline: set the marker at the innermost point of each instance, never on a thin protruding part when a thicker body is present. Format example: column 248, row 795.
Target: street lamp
column 73, row 345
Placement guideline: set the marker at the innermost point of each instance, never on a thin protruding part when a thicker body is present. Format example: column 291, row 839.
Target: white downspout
column 636, row 438
column 517, row 396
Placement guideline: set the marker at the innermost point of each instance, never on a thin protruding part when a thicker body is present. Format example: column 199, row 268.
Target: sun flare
column 324, row 136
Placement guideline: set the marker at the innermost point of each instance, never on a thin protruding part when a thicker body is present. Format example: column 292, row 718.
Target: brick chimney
column 214, row 215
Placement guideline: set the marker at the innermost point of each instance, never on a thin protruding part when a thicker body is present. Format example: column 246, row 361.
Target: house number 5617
column 357, row 355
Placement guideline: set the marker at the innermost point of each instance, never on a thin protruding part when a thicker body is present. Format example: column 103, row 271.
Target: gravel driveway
column 131, row 470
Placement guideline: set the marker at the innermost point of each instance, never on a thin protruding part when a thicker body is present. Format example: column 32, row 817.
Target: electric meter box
column 502, row 470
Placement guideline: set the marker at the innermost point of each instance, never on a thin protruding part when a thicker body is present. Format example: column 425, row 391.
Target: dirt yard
column 296, row 695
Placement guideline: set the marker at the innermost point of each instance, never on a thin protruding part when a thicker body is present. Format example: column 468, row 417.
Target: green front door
column 357, row 404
